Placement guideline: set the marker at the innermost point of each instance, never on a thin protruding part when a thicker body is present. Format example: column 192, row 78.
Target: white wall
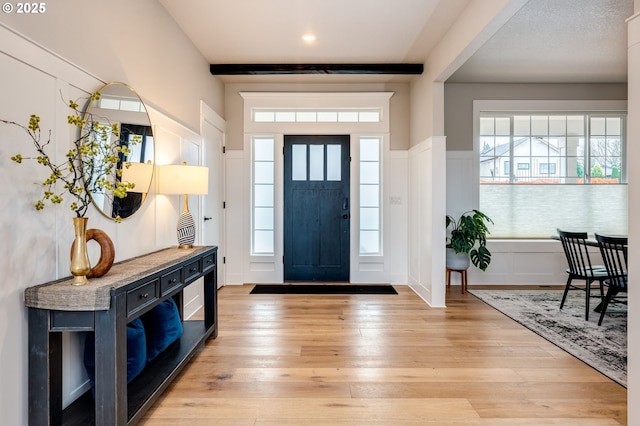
column 427, row 192
column 37, row 80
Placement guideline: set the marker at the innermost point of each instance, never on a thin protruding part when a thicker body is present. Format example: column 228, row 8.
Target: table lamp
column 139, row 174
column 184, row 179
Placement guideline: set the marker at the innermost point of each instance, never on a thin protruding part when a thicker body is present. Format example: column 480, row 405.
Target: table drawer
column 141, row 296
column 208, row 262
column 170, row 281
column 192, row 270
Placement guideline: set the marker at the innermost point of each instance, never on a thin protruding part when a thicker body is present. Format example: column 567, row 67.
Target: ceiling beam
column 270, row 69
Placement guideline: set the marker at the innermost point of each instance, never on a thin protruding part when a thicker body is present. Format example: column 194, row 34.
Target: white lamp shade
column 138, row 174
column 183, row 179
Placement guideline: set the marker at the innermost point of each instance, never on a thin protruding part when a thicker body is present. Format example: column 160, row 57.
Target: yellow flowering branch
column 92, row 165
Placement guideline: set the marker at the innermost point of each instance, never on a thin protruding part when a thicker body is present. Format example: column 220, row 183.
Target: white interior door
column 213, row 212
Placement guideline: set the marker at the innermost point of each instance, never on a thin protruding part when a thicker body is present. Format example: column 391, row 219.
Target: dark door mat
column 323, row 289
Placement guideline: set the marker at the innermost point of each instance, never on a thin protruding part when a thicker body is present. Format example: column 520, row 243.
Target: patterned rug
column 602, row 347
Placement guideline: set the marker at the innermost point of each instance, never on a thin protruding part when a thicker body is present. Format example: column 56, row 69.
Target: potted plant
column 468, row 240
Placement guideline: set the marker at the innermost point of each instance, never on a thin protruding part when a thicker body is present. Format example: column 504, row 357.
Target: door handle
column 345, row 203
column 345, row 216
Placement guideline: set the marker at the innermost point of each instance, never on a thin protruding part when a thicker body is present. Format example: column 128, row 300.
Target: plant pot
column 457, row 261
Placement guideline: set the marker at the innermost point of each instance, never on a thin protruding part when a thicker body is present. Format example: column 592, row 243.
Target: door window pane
column 334, row 163
column 299, row 162
column 316, row 162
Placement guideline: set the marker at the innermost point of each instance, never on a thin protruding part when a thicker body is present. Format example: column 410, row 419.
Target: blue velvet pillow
column 136, row 351
column 163, row 327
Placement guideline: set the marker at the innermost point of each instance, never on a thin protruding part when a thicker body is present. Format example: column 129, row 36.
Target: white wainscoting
column 427, row 193
column 512, row 261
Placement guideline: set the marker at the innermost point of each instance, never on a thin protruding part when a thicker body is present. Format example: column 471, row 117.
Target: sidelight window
column 370, row 235
column 263, row 175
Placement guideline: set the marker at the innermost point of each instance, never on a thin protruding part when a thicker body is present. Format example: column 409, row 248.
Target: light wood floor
column 381, row 360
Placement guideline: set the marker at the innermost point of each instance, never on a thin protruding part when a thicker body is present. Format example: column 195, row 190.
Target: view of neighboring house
column 534, row 160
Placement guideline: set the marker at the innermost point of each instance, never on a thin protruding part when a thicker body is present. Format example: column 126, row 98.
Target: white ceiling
column 546, row 41
column 558, row 41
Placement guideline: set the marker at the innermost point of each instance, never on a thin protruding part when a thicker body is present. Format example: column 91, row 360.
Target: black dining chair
column 614, row 256
column 577, row 253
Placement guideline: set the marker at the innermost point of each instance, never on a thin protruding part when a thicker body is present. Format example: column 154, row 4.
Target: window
column 262, row 218
column 547, row 168
column 370, row 234
column 563, row 162
column 372, row 115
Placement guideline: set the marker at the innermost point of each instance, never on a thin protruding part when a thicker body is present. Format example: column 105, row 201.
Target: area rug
column 601, row 347
column 323, row 289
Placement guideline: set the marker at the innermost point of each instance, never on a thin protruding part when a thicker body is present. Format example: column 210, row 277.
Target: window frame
column 254, row 206
column 509, row 167
column 599, row 107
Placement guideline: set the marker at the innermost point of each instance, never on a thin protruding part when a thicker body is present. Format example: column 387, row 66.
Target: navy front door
column 316, row 208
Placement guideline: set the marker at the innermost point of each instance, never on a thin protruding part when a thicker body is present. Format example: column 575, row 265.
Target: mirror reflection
column 119, row 104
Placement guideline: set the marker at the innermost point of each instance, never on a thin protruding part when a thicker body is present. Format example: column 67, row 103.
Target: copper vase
column 80, row 265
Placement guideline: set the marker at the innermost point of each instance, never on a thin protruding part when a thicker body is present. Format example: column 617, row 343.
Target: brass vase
column 80, row 265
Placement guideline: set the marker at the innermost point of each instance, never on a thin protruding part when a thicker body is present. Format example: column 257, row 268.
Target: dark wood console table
column 105, row 306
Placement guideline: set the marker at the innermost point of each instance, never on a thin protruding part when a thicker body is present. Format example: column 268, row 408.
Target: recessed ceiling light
column 309, row 38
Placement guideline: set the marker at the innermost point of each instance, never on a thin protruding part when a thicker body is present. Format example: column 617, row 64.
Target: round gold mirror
column 120, row 106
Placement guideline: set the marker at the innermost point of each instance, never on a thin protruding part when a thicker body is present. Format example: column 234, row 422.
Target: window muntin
column 533, row 177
